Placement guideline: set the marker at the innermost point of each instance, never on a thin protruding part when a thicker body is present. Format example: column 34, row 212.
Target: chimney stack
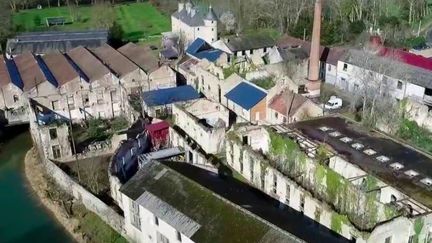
column 314, row 82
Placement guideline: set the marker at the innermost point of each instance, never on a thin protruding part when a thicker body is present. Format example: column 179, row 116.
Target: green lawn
column 140, row 21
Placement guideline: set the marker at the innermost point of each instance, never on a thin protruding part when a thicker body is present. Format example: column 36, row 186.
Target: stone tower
column 211, row 24
column 314, row 83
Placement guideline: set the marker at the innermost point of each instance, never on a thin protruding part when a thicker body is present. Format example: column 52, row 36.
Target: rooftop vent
column 411, row 173
column 369, row 152
column 357, row 146
column 346, row 139
column 335, row 134
column 382, row 158
column 324, row 129
column 396, row 166
column 427, row 181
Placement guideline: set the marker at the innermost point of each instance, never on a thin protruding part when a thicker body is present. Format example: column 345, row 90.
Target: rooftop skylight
column 369, row 152
column 427, row 181
column 324, row 128
column 382, row 158
column 335, row 134
column 411, row 173
column 396, row 166
column 346, row 139
column 357, row 146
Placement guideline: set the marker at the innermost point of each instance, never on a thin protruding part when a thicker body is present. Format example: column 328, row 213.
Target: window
column 399, row 85
column 56, row 151
column 156, row 220
column 388, row 239
column 212, row 29
column 251, row 168
column 243, row 53
column 345, row 67
column 15, row 98
column 241, row 166
column 317, row 214
column 99, row 96
column 71, row 102
column 276, row 115
column 251, row 52
column 208, row 87
column 274, row 183
column 265, row 49
column 53, row 133
column 287, row 194
column 329, row 67
column 55, row 105
column 262, row 181
column 160, row 238
column 302, row 202
column 198, row 28
column 134, row 215
column 114, row 96
column 179, row 238
column 85, row 100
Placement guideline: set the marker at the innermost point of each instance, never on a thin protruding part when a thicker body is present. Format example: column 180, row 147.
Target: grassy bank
column 139, row 21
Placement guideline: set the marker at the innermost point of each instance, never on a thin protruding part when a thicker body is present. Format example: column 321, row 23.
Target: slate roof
column 287, row 100
column 246, row 95
column 115, row 60
column 399, row 70
column 88, row 63
column 200, row 49
column 141, row 56
column 29, row 71
column 208, row 208
column 170, row 95
column 4, row 73
column 383, row 146
column 46, row 42
column 196, row 16
column 61, row 69
column 249, row 42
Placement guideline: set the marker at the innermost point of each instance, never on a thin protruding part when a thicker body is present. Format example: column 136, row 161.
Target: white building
column 190, row 23
column 177, row 202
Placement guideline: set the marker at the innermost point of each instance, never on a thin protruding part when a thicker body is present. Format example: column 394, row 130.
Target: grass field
column 140, row 21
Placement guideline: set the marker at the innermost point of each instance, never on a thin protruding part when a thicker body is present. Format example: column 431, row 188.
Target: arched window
column 393, row 198
column 15, row 98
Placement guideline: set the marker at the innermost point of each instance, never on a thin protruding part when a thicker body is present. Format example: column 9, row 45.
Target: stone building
column 361, row 185
column 177, row 202
column 158, row 76
column 248, row 102
column 131, row 77
column 190, row 22
column 204, row 121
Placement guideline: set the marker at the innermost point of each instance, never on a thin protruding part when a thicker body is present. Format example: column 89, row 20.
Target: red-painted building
column 159, row 134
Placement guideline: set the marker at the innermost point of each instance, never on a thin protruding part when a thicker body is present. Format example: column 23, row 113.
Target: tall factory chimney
column 314, row 83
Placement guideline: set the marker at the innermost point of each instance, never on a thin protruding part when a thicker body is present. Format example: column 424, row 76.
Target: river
column 23, row 219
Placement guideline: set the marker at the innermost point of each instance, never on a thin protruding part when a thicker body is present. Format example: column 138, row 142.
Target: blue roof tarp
column 202, row 50
column 170, row 95
column 246, row 95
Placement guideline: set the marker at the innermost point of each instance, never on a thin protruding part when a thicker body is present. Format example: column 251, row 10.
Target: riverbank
column 35, row 175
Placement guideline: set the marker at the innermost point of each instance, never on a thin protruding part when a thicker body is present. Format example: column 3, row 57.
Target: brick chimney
column 314, row 83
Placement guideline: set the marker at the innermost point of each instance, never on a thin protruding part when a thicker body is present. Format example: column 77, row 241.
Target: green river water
column 22, row 218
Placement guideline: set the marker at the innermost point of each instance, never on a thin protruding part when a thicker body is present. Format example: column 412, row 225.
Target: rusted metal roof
column 60, row 68
column 141, row 56
column 29, row 71
column 115, row 60
column 287, row 103
column 88, row 63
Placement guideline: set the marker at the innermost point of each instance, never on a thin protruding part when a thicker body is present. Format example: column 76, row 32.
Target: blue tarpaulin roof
column 201, row 49
column 246, row 95
column 170, row 95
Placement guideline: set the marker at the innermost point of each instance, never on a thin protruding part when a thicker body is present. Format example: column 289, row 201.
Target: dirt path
column 34, row 173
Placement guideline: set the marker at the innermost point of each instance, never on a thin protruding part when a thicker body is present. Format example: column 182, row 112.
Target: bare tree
column 229, row 21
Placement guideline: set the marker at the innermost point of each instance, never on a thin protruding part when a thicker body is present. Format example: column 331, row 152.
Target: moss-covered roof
column 219, row 220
